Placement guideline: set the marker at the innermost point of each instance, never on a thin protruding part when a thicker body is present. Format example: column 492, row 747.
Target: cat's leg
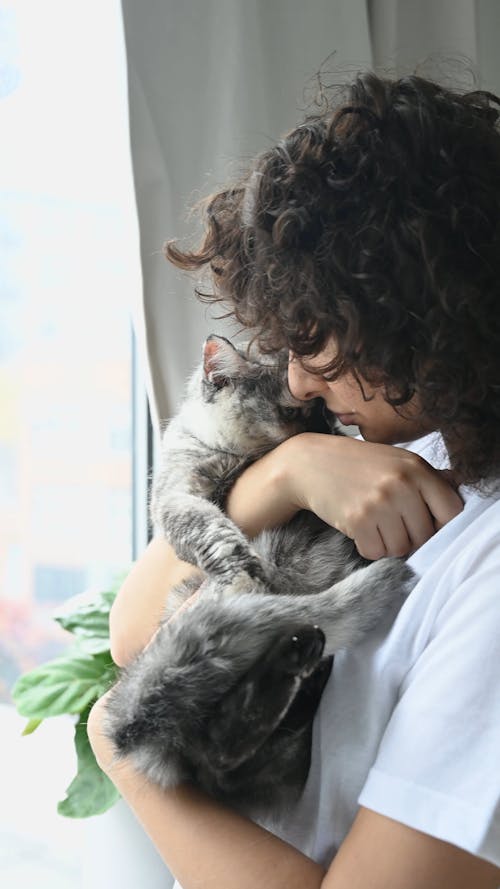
column 165, row 708
column 279, row 694
column 203, row 535
column 345, row 612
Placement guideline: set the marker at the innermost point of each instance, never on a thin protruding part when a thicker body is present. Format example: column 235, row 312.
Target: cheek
column 292, row 380
column 349, row 394
column 292, row 370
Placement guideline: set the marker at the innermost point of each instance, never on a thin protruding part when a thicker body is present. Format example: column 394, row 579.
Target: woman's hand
column 387, row 499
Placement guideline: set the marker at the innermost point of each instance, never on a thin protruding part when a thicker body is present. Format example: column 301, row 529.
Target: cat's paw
column 386, row 584
column 242, row 583
column 396, row 575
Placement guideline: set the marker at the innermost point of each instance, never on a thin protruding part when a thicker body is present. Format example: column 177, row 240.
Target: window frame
column 142, row 455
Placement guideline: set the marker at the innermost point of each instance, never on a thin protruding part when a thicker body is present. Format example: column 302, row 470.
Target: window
column 69, row 275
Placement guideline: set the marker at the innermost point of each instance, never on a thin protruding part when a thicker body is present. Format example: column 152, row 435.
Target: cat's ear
column 221, row 361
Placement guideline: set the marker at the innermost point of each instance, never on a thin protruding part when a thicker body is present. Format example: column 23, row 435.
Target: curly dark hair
column 376, row 221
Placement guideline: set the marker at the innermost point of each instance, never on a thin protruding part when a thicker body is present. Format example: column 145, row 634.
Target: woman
column 367, row 242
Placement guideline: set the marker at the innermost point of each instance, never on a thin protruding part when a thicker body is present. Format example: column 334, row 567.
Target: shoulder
column 437, row 765
column 467, row 547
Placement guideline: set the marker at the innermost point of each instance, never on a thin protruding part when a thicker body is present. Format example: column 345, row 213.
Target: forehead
column 320, row 359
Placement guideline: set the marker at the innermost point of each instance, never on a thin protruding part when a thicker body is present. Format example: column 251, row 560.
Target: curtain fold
column 447, row 39
column 406, row 33
column 211, row 82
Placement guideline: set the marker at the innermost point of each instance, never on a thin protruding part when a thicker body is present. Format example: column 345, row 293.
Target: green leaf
column 91, row 792
column 92, row 646
column 30, row 726
column 65, row 685
column 87, row 615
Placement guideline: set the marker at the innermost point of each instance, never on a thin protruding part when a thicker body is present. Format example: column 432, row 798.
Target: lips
column 346, row 419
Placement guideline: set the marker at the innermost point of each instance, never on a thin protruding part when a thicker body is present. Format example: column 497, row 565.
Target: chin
column 379, row 436
column 367, row 433
column 392, row 437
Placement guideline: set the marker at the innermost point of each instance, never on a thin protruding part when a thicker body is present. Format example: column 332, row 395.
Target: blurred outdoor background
column 69, row 262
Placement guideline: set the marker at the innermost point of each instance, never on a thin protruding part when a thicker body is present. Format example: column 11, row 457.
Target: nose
column 303, row 384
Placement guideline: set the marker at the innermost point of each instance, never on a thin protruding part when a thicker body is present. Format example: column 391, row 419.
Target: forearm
column 262, row 497
column 385, row 498
column 209, row 847
column 140, row 602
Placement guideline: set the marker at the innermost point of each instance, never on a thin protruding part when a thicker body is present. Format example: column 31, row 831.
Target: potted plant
column 118, row 854
column 70, row 684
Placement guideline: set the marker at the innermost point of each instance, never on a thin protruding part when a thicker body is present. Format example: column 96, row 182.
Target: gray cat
column 225, row 694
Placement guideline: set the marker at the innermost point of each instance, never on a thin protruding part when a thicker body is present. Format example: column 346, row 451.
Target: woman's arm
column 207, row 846
column 387, row 499
column 139, row 604
column 210, row 847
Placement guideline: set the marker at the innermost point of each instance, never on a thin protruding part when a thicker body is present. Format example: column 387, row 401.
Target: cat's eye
column 218, row 380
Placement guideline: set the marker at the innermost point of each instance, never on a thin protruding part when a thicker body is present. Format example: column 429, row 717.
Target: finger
column 385, row 535
column 419, row 524
column 369, row 543
column 394, row 533
column 443, row 502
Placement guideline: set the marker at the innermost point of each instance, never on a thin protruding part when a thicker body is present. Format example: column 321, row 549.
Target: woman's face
column 377, row 420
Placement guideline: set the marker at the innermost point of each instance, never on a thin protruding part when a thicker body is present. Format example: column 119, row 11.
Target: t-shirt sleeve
column 438, row 765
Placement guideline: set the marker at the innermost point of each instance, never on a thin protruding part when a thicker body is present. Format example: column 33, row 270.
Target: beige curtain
column 210, row 83
column 443, row 36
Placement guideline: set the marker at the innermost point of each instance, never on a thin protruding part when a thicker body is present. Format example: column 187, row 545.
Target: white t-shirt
column 409, row 721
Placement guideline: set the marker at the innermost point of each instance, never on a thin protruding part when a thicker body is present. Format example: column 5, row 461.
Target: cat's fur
column 225, row 694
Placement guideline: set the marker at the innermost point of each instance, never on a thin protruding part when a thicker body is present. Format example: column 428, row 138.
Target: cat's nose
column 303, row 650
